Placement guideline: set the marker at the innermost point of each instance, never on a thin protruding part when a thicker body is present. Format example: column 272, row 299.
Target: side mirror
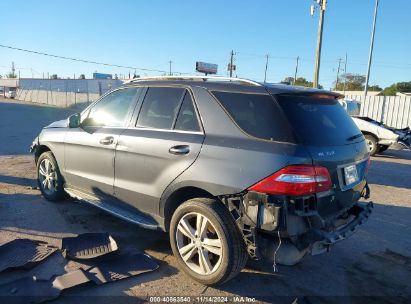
column 74, row 120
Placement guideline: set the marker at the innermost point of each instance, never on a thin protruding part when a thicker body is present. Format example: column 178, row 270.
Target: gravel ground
column 374, row 265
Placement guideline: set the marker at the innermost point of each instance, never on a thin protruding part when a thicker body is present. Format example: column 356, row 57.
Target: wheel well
column 371, row 134
column 178, row 197
column 40, row 150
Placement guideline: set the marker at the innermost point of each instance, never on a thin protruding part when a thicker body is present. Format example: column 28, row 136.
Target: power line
column 80, row 60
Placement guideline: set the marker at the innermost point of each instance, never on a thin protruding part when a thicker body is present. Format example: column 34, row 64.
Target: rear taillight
column 295, row 180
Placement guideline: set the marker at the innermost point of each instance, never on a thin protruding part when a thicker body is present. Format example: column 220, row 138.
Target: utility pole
column 231, row 63
column 371, row 49
column 170, row 67
column 322, row 5
column 13, row 70
column 266, row 66
column 296, row 70
column 345, row 71
column 338, row 74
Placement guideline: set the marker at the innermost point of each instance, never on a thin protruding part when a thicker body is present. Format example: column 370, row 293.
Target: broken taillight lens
column 295, row 180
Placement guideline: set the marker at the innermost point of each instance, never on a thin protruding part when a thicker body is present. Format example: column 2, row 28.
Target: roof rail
column 195, row 77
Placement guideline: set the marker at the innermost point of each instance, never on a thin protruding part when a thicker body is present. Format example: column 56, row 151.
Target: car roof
column 230, row 85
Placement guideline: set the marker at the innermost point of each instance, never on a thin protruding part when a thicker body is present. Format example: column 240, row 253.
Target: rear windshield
column 256, row 114
column 319, row 121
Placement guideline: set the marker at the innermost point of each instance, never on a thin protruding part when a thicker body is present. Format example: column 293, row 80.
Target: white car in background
column 379, row 137
column 10, row 93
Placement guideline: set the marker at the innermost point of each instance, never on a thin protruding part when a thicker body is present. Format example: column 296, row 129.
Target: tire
column 381, row 149
column 52, row 187
column 227, row 256
column 372, row 144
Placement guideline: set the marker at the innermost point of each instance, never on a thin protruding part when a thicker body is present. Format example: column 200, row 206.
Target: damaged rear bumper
column 360, row 211
column 275, row 229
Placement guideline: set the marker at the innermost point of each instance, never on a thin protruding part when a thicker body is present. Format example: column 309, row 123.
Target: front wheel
column 49, row 177
column 206, row 242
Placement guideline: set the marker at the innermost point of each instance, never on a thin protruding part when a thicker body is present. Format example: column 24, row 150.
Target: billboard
column 102, row 76
column 207, row 68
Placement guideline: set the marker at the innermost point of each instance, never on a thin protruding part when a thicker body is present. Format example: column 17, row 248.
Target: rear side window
column 170, row 109
column 160, row 108
column 187, row 118
column 256, row 114
column 319, row 121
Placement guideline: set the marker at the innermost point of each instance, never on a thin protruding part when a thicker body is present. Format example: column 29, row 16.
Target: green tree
column 374, row 88
column 11, row 75
column 353, row 82
column 300, row 81
column 393, row 89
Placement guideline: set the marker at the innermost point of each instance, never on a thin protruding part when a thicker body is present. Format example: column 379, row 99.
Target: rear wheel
column 206, row 241
column 49, row 177
column 372, row 144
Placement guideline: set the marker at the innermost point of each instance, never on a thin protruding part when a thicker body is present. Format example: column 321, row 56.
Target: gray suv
column 231, row 168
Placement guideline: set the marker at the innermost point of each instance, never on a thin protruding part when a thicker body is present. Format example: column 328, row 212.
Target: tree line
column 354, row 82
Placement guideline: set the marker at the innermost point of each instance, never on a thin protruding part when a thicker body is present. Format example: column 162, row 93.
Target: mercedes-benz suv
column 231, row 168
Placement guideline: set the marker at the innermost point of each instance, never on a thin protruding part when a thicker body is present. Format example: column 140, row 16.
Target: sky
column 148, row 34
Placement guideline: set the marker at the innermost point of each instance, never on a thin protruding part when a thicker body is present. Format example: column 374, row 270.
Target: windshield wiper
column 354, row 136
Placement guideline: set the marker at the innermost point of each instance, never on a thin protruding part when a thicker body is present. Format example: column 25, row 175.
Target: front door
column 90, row 149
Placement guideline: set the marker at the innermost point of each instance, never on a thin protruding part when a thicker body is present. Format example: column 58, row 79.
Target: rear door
column 334, row 142
column 165, row 139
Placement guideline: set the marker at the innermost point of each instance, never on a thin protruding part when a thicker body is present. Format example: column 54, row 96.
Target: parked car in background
column 378, row 136
column 231, row 168
column 10, row 93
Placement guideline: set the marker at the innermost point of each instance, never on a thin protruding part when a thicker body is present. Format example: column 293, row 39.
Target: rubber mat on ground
column 36, row 291
column 121, row 267
column 88, row 245
column 23, row 253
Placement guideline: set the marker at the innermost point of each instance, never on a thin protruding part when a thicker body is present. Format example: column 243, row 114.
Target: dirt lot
column 375, row 262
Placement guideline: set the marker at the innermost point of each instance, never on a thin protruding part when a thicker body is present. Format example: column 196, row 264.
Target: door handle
column 179, row 150
column 107, row 140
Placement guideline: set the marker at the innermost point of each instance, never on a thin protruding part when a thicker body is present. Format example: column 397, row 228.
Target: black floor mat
column 23, row 253
column 36, row 291
column 88, row 245
column 28, row 290
column 121, row 267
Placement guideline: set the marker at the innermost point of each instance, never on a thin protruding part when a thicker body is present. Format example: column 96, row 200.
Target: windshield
column 319, row 121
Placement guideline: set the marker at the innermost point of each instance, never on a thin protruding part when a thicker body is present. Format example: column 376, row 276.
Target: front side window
column 112, row 110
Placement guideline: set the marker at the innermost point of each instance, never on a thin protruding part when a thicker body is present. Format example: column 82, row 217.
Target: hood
column 58, row 124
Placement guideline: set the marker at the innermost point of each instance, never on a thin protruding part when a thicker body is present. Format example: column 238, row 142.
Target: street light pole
column 371, row 49
column 322, row 4
column 266, row 66
column 296, row 69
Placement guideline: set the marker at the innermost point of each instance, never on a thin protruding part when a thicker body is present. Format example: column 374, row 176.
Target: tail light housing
column 295, row 180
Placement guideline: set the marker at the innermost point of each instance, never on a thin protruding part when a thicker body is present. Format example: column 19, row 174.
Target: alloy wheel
column 199, row 243
column 370, row 144
column 47, row 176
